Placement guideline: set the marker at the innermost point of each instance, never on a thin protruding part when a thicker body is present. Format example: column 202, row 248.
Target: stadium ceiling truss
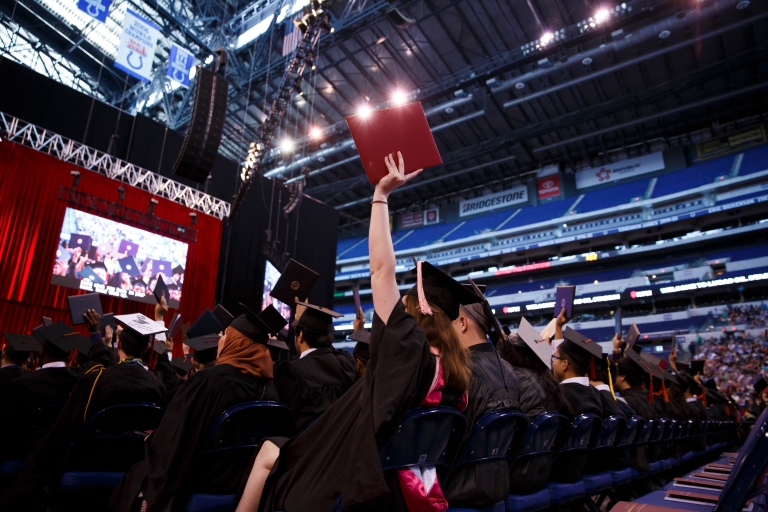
column 508, row 86
column 67, row 150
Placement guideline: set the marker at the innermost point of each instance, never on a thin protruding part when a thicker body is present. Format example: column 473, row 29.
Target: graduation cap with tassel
column 581, row 350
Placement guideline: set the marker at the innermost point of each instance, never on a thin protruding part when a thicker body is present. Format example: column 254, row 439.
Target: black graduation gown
column 626, row 409
column 310, row 385
column 611, row 407
column 637, row 398
column 583, row 399
column 9, row 373
column 697, row 410
column 338, row 453
column 493, row 386
column 167, row 376
column 169, row 464
column 102, row 387
column 25, row 395
column 533, row 398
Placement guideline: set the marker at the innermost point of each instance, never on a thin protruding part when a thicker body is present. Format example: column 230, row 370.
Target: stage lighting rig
column 75, row 178
column 316, row 21
column 193, row 218
column 120, row 194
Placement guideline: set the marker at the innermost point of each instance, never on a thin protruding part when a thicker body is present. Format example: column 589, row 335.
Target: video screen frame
column 116, row 259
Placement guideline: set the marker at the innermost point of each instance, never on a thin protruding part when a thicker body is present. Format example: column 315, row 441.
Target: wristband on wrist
column 379, row 201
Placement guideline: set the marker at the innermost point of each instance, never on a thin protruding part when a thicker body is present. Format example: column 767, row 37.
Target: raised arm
column 383, row 282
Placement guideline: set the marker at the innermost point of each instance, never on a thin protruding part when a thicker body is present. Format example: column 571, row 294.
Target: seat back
column 232, row 443
column 113, row 439
column 623, row 452
column 245, row 425
column 655, row 450
column 572, row 457
column 34, row 428
column 747, row 476
column 530, row 468
column 609, row 435
column 496, row 435
column 425, row 437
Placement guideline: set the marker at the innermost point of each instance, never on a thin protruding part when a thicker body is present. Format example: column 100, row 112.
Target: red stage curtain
column 30, row 219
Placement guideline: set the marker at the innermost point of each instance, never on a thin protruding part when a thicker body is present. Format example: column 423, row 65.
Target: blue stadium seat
column 530, row 469
column 108, row 445
column 601, row 455
column 35, row 427
column 755, row 160
column 623, row 453
column 426, row 437
column 613, row 195
column 237, row 434
column 572, row 457
column 744, row 482
column 695, row 176
column 496, row 435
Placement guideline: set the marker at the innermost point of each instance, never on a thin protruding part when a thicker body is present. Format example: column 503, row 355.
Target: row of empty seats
column 704, row 173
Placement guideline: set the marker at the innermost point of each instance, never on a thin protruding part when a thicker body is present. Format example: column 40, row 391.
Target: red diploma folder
column 390, row 130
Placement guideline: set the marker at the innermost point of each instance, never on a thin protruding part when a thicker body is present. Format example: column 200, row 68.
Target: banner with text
column 431, row 216
column 619, row 170
column 96, row 9
column 180, row 65
column 493, row 201
column 412, row 220
column 547, row 187
column 137, row 46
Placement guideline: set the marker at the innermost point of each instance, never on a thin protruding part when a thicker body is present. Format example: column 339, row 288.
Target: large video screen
column 104, row 256
column 271, row 275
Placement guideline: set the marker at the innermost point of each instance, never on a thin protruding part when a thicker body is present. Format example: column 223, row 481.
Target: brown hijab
column 244, row 354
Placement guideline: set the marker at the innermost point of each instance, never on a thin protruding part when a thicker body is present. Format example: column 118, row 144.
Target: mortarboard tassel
column 664, row 392
column 610, row 380
column 152, row 359
column 72, row 357
column 650, row 393
column 423, row 303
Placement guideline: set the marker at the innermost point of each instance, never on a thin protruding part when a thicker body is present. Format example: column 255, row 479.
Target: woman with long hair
column 415, row 359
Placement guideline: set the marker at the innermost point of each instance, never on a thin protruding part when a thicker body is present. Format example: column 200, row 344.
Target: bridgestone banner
column 493, row 201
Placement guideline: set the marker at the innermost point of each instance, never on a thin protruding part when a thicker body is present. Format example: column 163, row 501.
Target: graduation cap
column 37, row 333
column 295, row 281
column 645, row 366
column 317, row 318
column 88, row 273
column 533, row 340
column 77, row 240
column 129, row 266
column 141, row 325
column 258, row 327
column 205, row 347
column 277, row 343
column 23, row 342
column 435, row 287
column 47, row 321
column 581, row 350
column 98, row 264
column 658, row 367
column 178, row 269
column 139, row 282
column 62, row 336
column 80, row 304
column 362, row 350
column 161, row 290
column 759, row 385
column 181, row 365
column 206, row 323
column 223, row 316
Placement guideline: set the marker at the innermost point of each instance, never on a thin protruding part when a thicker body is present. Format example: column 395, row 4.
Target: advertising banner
column 620, row 170
column 137, row 46
column 493, row 201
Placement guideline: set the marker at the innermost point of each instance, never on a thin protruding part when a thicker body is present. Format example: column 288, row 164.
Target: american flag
column 291, row 39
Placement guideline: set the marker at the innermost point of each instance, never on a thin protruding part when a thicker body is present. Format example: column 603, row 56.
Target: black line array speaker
column 201, row 144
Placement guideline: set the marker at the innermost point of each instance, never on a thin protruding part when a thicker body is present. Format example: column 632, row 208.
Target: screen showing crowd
column 104, row 256
column 271, row 275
